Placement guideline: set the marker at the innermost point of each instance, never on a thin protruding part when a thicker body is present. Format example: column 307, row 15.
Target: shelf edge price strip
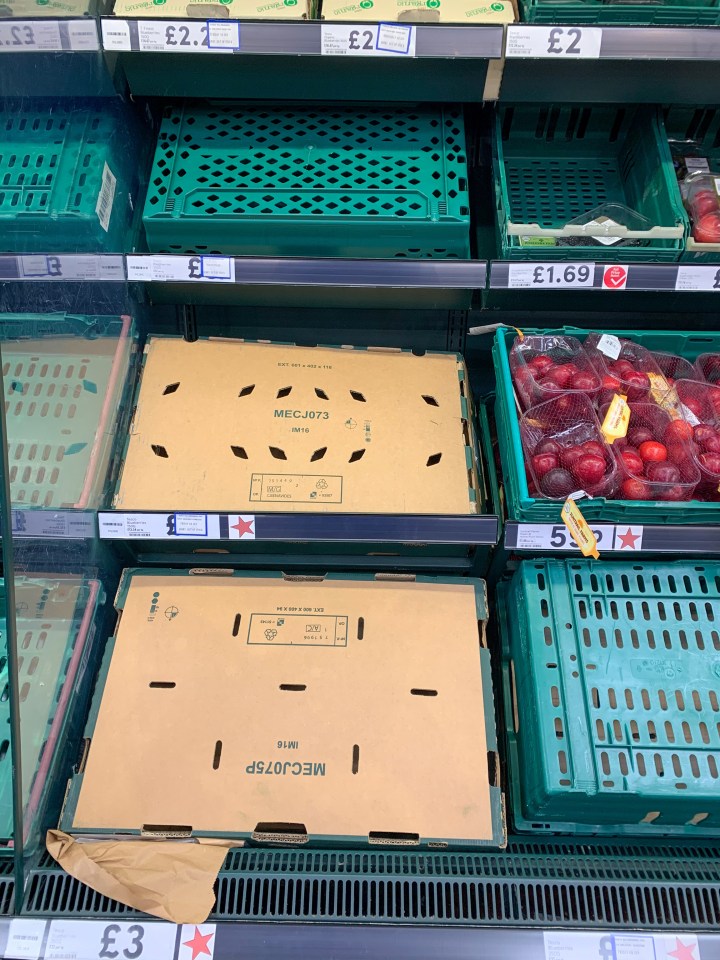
column 368, row 40
column 172, row 36
column 553, row 43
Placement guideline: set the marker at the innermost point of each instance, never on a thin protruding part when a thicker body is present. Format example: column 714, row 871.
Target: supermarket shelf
column 154, row 66
column 52, row 57
column 199, row 528
column 616, row 539
column 617, row 64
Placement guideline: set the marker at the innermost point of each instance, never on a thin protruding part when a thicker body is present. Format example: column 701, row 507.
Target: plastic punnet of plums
column 700, row 410
column 674, row 367
column 547, row 366
column 707, row 367
column 655, row 457
column 565, row 450
column 634, row 373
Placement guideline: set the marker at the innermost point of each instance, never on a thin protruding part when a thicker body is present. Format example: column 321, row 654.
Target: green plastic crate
column 694, row 132
column 660, row 12
column 553, row 164
column 309, row 181
column 62, row 177
column 612, row 696
column 522, row 506
column 63, row 377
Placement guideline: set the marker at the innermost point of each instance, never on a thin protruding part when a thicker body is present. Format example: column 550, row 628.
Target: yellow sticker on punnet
column 579, row 530
column 617, row 418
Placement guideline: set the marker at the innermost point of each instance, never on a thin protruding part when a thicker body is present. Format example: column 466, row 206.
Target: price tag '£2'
column 555, row 43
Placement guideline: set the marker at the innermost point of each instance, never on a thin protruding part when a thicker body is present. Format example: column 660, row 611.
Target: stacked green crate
column 63, row 179
column 612, row 682
column 522, row 506
column 310, row 181
column 686, row 12
column 558, row 169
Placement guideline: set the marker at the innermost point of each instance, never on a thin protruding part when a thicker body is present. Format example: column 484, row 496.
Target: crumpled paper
column 168, row 879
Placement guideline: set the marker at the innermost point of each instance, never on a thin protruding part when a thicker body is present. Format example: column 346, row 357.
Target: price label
column 697, row 278
column 548, row 536
column 548, row 275
column 21, row 36
column 554, row 42
column 172, row 36
column 70, row 267
column 368, row 40
column 191, row 269
column 99, row 940
column 171, row 526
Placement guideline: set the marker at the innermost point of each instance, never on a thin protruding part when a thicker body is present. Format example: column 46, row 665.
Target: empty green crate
column 612, row 687
column 62, row 183
column 687, row 12
column 309, row 181
column 555, row 164
column 694, row 132
column 520, row 505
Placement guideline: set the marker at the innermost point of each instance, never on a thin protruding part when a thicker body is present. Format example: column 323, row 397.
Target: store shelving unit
column 542, row 897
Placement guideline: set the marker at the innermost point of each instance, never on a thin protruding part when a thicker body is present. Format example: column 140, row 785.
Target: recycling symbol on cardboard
column 321, row 484
column 270, row 634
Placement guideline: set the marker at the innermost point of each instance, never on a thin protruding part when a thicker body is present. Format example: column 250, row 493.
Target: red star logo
column 199, row 944
column 628, row 540
column 243, row 526
column 682, row 951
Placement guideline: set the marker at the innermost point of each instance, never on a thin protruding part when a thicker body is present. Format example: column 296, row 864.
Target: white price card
column 83, row 35
column 547, row 536
column 546, row 276
column 620, row 946
column 77, row 266
column 116, row 34
column 23, row 36
column 99, row 939
column 190, row 269
column 171, row 526
column 697, row 278
column 368, row 40
column 25, row 939
column 554, row 43
column 172, row 36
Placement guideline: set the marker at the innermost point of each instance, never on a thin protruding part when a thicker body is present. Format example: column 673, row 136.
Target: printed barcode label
column 106, row 198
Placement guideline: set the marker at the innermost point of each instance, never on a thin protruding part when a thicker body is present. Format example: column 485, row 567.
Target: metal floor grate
column 528, row 885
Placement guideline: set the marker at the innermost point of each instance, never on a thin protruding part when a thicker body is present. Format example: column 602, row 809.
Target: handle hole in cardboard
column 246, row 391
column 159, row 451
column 321, row 394
column 356, row 758
column 356, row 455
column 296, row 687
column 318, row 454
column 240, row 452
column 356, row 395
column 277, row 453
column 493, row 762
column 433, row 459
column 361, row 628
column 281, row 829
column 284, row 392
column 4, row 747
column 392, row 836
column 236, row 624
column 162, row 684
column 166, row 829
column 217, row 754
column 422, row 692
column 171, row 388
column 431, row 401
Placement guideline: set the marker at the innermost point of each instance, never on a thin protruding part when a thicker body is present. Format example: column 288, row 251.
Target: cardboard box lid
column 227, row 425
column 422, row 11
column 214, row 9
column 350, row 706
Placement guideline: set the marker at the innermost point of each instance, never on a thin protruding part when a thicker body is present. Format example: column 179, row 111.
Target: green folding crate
column 62, row 176
column 64, row 378
column 661, row 12
column 522, row 506
column 554, row 164
column 310, row 181
column 611, row 679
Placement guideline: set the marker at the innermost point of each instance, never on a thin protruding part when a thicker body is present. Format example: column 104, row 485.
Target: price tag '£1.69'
column 554, row 42
column 547, row 276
